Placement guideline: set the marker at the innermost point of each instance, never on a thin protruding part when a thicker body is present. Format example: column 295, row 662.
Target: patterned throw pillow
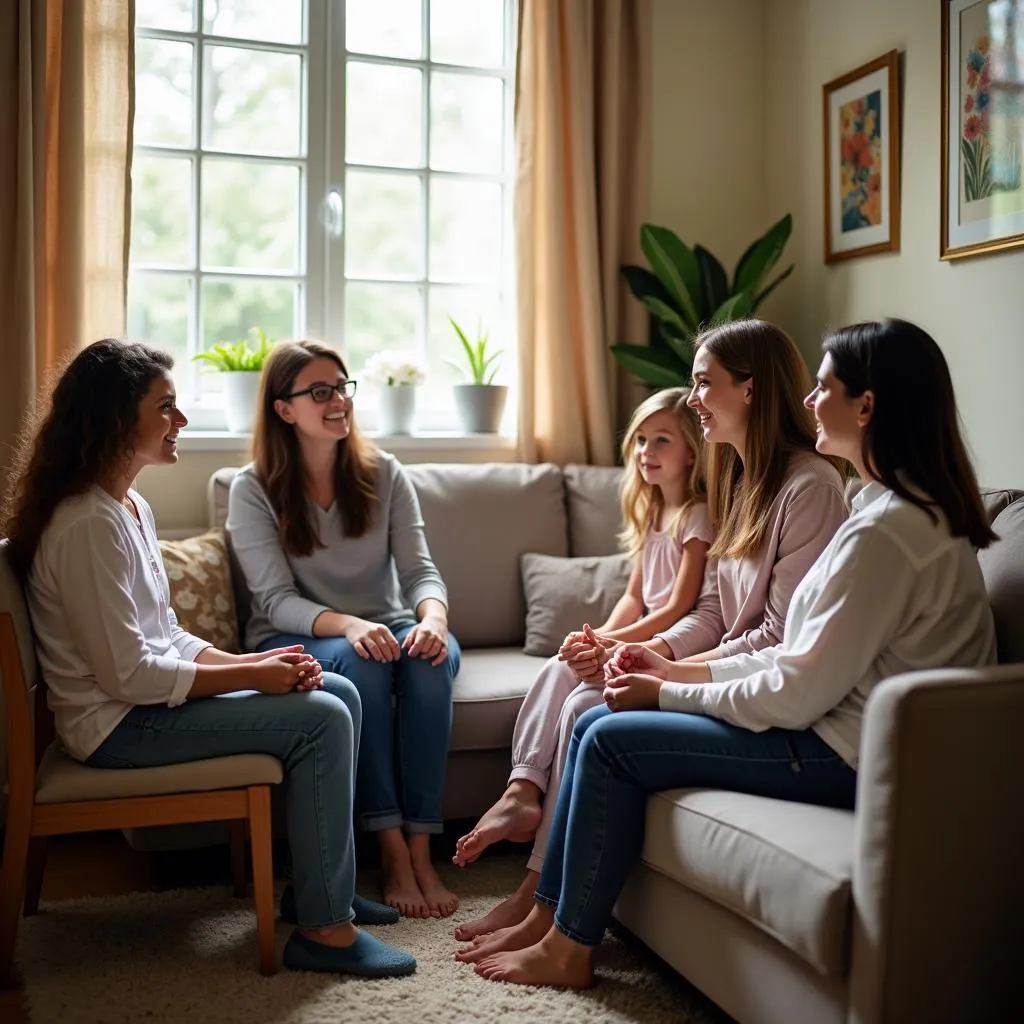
column 199, row 573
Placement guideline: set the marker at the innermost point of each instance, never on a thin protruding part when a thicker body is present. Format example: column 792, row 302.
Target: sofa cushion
column 784, row 866
column 479, row 521
column 202, row 596
column 1002, row 565
column 592, row 502
column 488, row 691
column 563, row 593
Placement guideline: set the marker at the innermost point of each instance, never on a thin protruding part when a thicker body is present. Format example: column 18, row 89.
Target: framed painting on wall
column 982, row 190
column 862, row 161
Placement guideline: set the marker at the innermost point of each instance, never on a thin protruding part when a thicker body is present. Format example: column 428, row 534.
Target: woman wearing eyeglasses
column 329, row 535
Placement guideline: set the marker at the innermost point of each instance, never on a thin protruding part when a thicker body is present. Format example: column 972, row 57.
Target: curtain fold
column 66, row 111
column 583, row 138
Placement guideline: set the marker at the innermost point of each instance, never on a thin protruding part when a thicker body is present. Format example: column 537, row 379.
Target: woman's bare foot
column 514, row 816
column 506, row 914
column 441, row 902
column 401, row 889
column 555, row 960
column 535, row 926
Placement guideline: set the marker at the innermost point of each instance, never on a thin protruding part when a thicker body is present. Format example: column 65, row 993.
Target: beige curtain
column 66, row 110
column 583, row 114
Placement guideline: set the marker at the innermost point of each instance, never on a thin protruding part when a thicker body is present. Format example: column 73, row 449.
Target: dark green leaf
column 739, row 307
column 765, row 255
column 714, row 283
column 654, row 366
column 643, row 284
column 666, row 314
column 682, row 347
column 770, row 288
column 676, row 267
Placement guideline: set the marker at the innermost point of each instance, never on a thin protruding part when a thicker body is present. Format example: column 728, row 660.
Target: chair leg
column 263, row 875
column 34, row 877
column 12, row 885
column 238, row 856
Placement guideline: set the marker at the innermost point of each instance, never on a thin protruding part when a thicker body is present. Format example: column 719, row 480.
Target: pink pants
column 540, row 742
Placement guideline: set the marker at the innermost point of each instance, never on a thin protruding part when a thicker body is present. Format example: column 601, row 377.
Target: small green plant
column 482, row 366
column 238, row 356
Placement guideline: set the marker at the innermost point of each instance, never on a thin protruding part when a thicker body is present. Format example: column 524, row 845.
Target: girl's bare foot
column 515, row 816
column 401, row 889
column 441, row 902
column 506, row 914
column 555, row 960
column 535, row 926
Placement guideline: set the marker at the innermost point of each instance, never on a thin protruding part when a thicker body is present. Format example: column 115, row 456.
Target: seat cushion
column 785, row 867
column 489, row 689
column 62, row 779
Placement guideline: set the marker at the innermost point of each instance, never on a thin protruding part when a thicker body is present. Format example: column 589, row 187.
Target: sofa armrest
column 938, row 889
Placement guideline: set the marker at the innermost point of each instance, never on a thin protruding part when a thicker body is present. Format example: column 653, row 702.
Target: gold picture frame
column 861, row 113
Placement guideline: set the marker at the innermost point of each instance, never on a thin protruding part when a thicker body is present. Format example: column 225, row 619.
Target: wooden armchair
column 49, row 793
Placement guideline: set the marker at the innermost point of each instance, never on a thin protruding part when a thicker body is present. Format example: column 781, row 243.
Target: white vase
column 241, row 391
column 396, row 409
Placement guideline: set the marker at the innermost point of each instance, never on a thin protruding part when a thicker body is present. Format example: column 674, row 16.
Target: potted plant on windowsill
column 397, row 376
column 241, row 365
column 479, row 402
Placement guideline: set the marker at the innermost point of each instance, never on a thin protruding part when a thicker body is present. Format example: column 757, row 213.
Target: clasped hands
column 427, row 639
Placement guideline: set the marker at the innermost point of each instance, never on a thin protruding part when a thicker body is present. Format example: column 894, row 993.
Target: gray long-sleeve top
column 382, row 576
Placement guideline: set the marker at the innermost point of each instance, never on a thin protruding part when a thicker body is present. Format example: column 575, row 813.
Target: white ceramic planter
column 241, row 390
column 480, row 407
column 396, row 409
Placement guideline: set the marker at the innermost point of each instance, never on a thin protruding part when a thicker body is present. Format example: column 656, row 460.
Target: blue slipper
column 367, row 957
column 366, row 911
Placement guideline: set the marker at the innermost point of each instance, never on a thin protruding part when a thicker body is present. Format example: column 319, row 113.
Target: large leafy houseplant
column 688, row 289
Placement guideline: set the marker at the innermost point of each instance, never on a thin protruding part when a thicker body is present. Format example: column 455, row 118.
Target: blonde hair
column 741, row 491
column 643, row 503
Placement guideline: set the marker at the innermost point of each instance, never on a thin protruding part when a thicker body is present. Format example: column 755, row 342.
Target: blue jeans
column 617, row 759
column 402, row 752
column 315, row 735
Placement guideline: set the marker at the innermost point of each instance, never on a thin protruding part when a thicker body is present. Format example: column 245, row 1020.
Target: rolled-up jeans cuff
column 430, row 827
column 548, row 901
column 379, row 822
column 539, row 778
column 576, row 936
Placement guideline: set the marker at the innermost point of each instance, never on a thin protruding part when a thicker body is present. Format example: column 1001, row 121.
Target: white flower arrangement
column 392, row 369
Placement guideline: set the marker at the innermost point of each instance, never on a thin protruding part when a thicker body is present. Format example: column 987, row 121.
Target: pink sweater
column 743, row 603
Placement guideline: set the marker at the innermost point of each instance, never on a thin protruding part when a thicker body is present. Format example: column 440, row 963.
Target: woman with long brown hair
column 130, row 688
column 328, row 532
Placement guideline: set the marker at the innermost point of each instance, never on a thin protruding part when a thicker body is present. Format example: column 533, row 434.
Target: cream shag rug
column 189, row 955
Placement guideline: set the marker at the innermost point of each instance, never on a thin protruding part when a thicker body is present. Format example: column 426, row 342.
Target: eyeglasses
column 321, row 393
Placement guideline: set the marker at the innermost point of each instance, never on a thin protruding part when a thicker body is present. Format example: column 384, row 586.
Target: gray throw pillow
column 563, row 593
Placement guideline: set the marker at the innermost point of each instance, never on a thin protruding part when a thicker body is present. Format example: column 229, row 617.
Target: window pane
column 280, row 21
column 465, row 122
column 383, row 115
column 158, row 306
column 174, row 15
column 162, row 210
column 378, row 317
column 390, row 28
column 477, row 312
column 465, row 230
column 250, row 215
column 231, row 308
column 468, row 32
column 383, row 225
column 252, row 101
column 163, row 82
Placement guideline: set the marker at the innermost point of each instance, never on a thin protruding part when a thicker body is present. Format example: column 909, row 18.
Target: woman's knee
column 585, row 722
column 345, row 690
column 327, row 716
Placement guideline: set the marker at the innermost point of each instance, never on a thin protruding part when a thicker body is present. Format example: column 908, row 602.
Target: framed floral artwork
column 862, row 161
column 982, row 127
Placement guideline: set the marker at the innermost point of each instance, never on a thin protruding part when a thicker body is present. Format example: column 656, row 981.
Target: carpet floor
column 189, row 955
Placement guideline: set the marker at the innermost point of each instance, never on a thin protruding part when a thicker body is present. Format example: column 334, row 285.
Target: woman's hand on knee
column 373, row 640
column 427, row 639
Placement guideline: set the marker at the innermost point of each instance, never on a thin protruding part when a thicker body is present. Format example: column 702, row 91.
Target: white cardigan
column 106, row 635
column 893, row 592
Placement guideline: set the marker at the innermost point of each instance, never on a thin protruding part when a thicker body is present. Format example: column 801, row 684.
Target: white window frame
column 321, row 280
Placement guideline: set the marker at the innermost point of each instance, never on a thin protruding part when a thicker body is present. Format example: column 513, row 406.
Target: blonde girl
column 667, row 534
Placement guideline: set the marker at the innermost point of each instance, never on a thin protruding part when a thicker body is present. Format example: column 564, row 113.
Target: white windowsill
column 445, row 441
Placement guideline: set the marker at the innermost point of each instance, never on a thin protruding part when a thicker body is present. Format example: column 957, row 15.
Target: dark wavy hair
column 914, row 434
column 85, row 432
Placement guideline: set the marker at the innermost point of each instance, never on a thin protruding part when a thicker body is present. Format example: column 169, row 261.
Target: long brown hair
column 83, row 433
column 741, row 491
column 642, row 504
column 278, row 460
column 914, row 432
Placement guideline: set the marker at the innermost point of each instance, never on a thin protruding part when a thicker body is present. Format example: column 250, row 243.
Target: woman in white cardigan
column 898, row 589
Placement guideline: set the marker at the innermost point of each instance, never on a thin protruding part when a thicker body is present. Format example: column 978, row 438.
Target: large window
column 340, row 168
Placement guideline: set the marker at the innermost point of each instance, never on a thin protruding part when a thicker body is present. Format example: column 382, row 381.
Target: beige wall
column 974, row 307
column 707, row 180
